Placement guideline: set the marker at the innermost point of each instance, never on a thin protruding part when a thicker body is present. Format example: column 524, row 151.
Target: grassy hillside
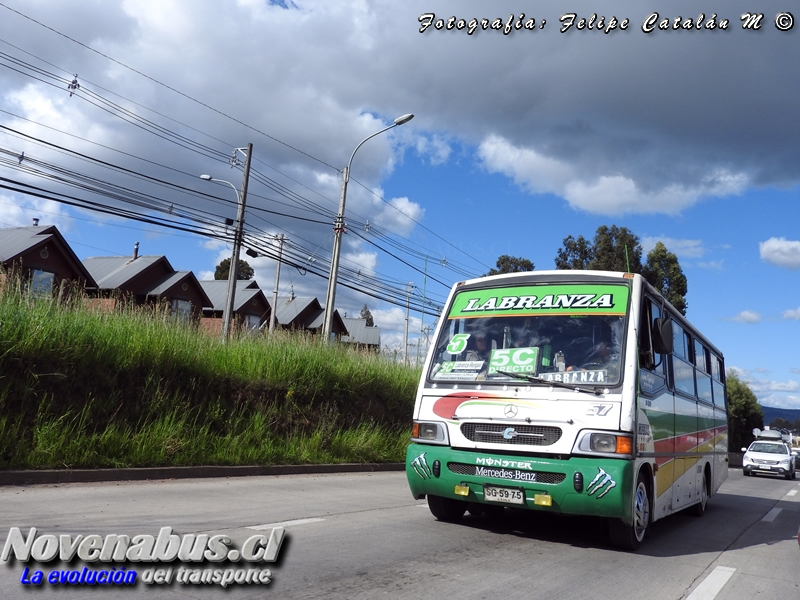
column 80, row 388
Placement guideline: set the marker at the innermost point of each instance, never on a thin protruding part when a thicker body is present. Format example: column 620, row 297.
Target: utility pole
column 275, row 291
column 237, row 246
column 424, row 287
column 408, row 300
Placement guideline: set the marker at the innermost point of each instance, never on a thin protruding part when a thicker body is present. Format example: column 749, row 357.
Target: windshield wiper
column 555, row 383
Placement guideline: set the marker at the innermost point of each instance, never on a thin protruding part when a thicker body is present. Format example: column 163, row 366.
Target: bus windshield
column 566, row 333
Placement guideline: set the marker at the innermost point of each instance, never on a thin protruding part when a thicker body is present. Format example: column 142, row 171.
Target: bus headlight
column 603, row 442
column 429, row 432
column 596, row 442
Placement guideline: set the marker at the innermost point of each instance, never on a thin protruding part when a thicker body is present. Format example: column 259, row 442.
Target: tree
column 614, row 249
column 664, row 273
column 511, row 264
column 245, row 271
column 367, row 316
column 618, row 249
column 576, row 254
column 744, row 412
column 780, row 423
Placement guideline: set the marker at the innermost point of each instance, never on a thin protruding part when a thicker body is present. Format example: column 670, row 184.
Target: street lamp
column 233, row 271
column 338, row 228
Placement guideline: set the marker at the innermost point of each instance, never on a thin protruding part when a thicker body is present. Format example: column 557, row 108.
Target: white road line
column 791, row 492
column 770, row 516
column 285, row 524
column 712, row 584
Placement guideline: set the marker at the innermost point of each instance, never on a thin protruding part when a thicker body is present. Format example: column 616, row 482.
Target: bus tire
column 446, row 509
column 629, row 537
column 699, row 509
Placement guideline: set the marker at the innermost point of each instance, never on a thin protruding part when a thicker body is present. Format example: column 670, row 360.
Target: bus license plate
column 503, row 494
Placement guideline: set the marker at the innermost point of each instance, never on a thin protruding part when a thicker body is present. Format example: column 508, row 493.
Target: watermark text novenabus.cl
column 166, row 547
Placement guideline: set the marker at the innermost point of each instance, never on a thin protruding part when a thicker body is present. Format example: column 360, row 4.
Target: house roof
column 289, row 308
column 307, row 313
column 359, row 333
column 112, row 272
column 16, row 241
column 217, row 292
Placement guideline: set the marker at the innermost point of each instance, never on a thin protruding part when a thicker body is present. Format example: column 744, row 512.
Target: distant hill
column 771, row 413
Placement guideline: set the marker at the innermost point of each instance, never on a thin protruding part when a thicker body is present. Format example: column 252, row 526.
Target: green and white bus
column 571, row 392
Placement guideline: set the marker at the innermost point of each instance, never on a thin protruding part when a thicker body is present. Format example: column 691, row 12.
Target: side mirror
column 744, row 449
column 662, row 335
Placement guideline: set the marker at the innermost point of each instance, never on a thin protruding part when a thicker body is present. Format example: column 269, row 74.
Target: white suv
column 773, row 457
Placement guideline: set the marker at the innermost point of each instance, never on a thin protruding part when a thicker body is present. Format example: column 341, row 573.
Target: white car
column 772, row 457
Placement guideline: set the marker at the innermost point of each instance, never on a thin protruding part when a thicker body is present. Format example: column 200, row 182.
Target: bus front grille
column 511, row 474
column 498, row 433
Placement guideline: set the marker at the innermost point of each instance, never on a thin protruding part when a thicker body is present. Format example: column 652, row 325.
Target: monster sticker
column 421, row 468
column 602, row 481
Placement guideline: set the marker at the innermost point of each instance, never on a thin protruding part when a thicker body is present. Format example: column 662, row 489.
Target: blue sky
column 518, row 141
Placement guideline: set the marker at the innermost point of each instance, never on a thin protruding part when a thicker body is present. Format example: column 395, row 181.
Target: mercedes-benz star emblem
column 510, row 411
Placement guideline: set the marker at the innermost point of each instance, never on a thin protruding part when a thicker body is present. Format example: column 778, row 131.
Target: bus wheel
column 629, row 537
column 446, row 509
column 699, row 509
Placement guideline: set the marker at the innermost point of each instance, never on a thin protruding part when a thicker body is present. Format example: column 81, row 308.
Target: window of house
column 182, row 309
column 42, row 283
column 251, row 322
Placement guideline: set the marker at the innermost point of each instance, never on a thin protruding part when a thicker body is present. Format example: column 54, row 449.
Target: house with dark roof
column 360, row 335
column 251, row 309
column 44, row 259
column 146, row 280
column 305, row 314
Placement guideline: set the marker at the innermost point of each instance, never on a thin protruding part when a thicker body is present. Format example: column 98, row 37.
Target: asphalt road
column 361, row 535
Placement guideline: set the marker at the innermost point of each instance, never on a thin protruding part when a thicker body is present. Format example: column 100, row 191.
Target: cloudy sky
column 522, row 135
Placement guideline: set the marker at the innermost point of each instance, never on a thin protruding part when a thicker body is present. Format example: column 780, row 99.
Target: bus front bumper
column 576, row 485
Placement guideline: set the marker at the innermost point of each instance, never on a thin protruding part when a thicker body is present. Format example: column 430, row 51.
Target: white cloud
column 604, row 194
column 435, row 147
column 770, row 392
column 535, row 172
column 781, row 252
column 680, row 248
column 747, row 316
column 781, row 401
column 792, row 314
column 400, row 215
column 20, row 212
column 760, row 386
column 712, row 265
column 392, row 322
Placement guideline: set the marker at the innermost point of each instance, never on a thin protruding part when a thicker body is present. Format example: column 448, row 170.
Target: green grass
column 80, row 388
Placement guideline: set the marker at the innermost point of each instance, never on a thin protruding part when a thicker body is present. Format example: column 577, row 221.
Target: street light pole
column 233, row 271
column 338, row 229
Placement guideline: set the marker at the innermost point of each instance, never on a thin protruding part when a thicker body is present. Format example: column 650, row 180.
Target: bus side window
column 703, row 376
column 682, row 367
column 717, row 381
